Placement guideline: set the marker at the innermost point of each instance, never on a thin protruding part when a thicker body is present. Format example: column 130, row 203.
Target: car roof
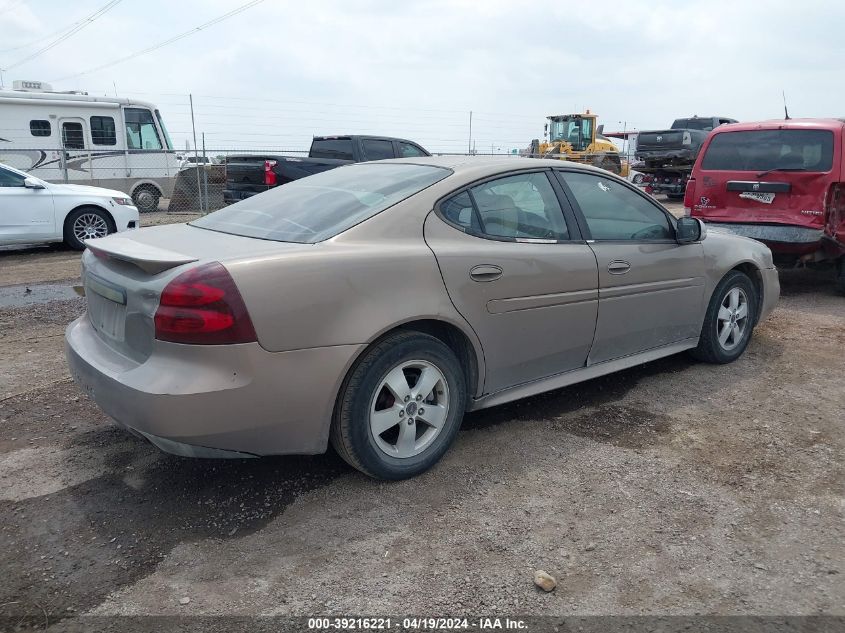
column 481, row 166
column 783, row 124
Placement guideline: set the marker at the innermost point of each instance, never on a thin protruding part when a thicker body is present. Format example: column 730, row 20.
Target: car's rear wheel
column 400, row 407
column 729, row 320
column 85, row 224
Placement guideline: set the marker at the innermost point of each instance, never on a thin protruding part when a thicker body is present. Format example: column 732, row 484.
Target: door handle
column 618, row 267
column 485, row 272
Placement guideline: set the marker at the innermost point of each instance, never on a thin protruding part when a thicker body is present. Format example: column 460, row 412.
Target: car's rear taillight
column 689, row 196
column 269, row 174
column 202, row 306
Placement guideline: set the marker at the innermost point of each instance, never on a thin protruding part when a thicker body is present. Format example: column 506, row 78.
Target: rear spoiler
column 150, row 259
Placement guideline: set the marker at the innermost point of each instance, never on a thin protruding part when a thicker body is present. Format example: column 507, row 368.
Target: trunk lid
column 124, row 275
column 792, row 198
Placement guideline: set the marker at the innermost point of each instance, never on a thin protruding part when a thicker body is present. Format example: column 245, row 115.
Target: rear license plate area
column 106, row 307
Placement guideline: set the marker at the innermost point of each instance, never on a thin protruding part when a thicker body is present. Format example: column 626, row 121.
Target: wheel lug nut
column 410, row 420
column 407, row 398
column 419, row 397
column 402, row 413
column 421, row 411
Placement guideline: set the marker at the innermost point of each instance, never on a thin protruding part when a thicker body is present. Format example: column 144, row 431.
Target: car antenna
column 785, row 111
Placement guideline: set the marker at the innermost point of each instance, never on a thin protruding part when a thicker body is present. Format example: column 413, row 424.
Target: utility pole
column 469, row 143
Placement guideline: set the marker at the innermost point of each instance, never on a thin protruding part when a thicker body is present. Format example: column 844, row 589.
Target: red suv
column 780, row 182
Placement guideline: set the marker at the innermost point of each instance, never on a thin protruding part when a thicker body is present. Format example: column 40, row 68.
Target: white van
column 72, row 137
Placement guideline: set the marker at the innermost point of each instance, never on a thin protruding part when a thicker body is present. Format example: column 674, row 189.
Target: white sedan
column 33, row 210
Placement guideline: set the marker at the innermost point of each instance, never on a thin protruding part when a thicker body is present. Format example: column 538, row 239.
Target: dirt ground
column 672, row 488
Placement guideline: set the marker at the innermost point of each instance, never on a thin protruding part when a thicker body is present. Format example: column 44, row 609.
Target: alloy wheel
column 732, row 320
column 409, row 408
column 89, row 226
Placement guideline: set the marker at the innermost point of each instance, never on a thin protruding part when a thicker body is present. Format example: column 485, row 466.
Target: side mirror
column 688, row 230
column 32, row 183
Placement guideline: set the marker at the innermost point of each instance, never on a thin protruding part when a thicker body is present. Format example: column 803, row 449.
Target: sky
column 280, row 72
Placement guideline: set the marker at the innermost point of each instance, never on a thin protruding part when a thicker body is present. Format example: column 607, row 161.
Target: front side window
column 141, row 130
column 615, row 212
column 377, row 150
column 318, row 207
column 73, row 136
column 39, row 128
column 10, row 178
column 523, row 206
column 762, row 150
column 102, row 130
column 410, row 151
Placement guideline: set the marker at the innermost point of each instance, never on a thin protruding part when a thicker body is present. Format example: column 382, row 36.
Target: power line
column 173, row 39
column 11, row 5
column 42, row 38
column 91, row 18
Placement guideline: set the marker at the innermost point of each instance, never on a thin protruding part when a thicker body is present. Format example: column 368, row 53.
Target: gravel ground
column 671, row 488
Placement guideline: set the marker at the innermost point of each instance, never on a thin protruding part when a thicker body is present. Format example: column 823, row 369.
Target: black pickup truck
column 666, row 157
column 249, row 174
column 679, row 144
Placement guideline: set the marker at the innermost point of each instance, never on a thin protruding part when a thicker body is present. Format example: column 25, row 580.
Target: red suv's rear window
column 763, row 150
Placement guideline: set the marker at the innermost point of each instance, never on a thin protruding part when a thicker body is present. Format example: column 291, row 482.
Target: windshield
column 764, row 150
column 575, row 131
column 164, row 130
column 318, row 207
column 693, row 124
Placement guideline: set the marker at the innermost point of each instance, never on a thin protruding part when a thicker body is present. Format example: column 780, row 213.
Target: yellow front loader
column 576, row 137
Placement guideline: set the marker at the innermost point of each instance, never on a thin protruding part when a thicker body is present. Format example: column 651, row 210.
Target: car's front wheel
column 729, row 320
column 400, row 407
column 85, row 224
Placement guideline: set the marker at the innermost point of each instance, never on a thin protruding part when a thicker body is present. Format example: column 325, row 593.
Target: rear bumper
column 214, row 400
column 780, row 238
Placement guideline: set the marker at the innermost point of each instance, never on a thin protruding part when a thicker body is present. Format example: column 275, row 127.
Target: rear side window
column 519, row 207
column 377, row 150
column 318, row 207
column 39, row 128
column 340, row 148
column 762, row 150
column 614, row 212
column 459, row 210
column 102, row 130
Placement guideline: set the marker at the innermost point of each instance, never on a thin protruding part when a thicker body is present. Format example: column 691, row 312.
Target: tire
column 87, row 223
column 711, row 349
column 608, row 164
column 675, row 196
column 366, row 404
column 840, row 275
column 146, row 198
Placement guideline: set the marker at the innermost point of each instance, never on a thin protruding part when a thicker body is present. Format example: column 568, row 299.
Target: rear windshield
column 340, row 148
column 318, row 207
column 693, row 124
column 761, row 150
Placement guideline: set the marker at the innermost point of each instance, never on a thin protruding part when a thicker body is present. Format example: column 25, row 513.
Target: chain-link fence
column 189, row 182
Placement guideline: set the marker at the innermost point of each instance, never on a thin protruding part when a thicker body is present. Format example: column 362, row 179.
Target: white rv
column 72, row 137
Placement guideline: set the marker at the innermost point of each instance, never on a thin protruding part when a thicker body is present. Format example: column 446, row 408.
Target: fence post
column 196, row 153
